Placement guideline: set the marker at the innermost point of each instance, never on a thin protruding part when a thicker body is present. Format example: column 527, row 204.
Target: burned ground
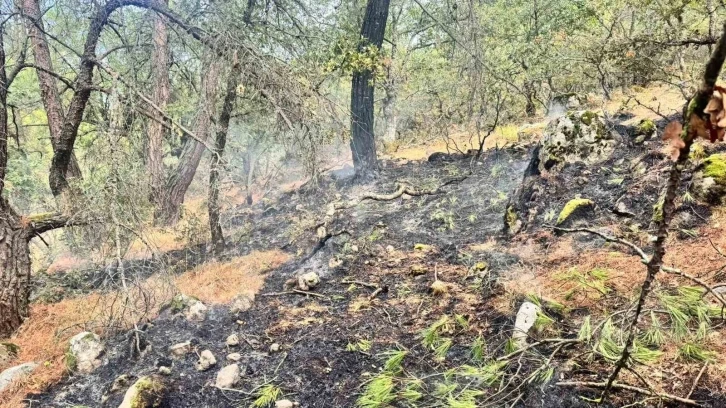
column 378, row 260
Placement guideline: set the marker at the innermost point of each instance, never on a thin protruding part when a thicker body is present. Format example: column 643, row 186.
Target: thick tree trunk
column 160, row 97
column 14, row 270
column 181, row 178
column 362, row 143
column 215, row 225
column 47, row 83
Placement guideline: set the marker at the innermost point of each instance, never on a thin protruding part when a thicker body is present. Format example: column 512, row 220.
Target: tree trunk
column 14, row 270
column 47, row 83
column 362, row 143
column 160, row 97
column 215, row 225
column 389, row 112
column 181, row 178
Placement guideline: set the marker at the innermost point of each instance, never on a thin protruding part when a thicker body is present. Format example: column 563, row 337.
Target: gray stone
column 87, row 349
column 308, row 281
column 526, row 317
column 228, row 377
column 164, row 370
column 576, row 137
column 274, row 348
column 197, row 312
column 232, row 340
column 15, row 373
column 206, row 361
column 284, row 404
column 242, row 303
column 8, row 352
column 180, row 349
column 234, row 357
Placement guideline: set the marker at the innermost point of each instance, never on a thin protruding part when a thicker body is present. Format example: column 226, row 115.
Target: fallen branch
column 699, row 282
column 294, row 292
column 402, row 188
column 643, row 256
column 559, row 342
column 626, row 387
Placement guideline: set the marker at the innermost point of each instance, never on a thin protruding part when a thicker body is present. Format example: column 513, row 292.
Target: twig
column 374, row 294
column 293, row 292
column 402, row 188
column 701, row 283
column 523, row 349
column 643, row 256
column 357, row 282
column 698, row 378
column 626, row 387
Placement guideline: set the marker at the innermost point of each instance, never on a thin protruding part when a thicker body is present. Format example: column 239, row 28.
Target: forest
column 362, row 203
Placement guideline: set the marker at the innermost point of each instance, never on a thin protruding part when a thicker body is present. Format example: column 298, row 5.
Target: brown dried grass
column 43, row 338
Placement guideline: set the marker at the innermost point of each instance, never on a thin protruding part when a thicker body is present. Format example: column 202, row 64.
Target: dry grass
column 220, row 282
column 44, row 336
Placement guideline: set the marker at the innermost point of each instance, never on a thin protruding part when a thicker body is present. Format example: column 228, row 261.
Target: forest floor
column 417, row 298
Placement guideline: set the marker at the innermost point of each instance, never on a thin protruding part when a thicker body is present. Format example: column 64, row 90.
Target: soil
column 400, row 246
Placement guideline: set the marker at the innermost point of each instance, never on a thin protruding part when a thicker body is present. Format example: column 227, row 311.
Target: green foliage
column 266, row 396
column 378, row 392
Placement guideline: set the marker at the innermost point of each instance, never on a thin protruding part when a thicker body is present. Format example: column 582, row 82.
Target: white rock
column 206, row 360
column 242, row 303
column 228, row 376
column 87, row 349
column 234, row 357
column 274, row 348
column 164, row 370
column 232, row 340
column 526, row 316
column 180, row 349
column 308, row 281
column 197, row 312
column 15, row 373
column 284, row 404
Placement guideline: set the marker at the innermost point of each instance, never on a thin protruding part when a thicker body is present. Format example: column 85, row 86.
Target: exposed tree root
column 626, row 387
column 402, row 188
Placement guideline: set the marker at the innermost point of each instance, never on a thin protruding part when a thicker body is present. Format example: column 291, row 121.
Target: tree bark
column 160, row 97
column 362, row 143
column 389, row 111
column 47, row 83
column 215, row 226
column 14, row 271
column 181, row 178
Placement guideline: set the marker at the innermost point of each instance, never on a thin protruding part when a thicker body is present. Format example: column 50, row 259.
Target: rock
column 180, row 349
column 121, row 382
column 284, row 404
column 646, row 128
column 84, row 352
column 232, row 340
column 197, row 312
column 234, row 357
column 526, row 317
column 15, row 373
column 575, row 208
column 308, row 281
column 709, row 179
column 228, row 377
column 576, row 137
column 147, row 392
column 206, row 360
column 8, row 352
column 164, row 370
column 242, row 303
column 274, row 348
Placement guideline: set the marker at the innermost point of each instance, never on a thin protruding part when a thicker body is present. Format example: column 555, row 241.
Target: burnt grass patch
column 333, row 343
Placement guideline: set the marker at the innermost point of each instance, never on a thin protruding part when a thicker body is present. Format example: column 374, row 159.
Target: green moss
column 11, row 348
column 646, row 127
column 658, row 210
column 511, row 218
column 588, row 117
column 714, row 166
column 148, row 393
column 697, row 152
column 71, row 360
column 572, row 206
